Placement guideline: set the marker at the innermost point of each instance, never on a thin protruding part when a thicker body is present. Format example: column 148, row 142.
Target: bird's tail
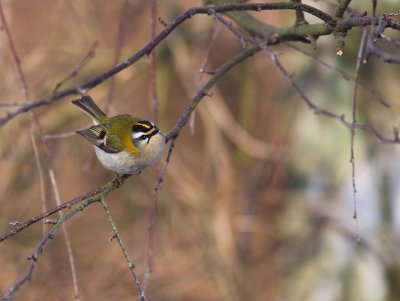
column 87, row 104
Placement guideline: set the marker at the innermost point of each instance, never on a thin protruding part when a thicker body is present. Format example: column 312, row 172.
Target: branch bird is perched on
column 123, row 144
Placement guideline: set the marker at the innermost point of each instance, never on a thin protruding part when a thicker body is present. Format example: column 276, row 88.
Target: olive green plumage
column 123, row 143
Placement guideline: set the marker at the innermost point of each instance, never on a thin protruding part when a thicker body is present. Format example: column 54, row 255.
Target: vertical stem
column 202, row 70
column 123, row 249
column 35, row 121
column 341, row 8
column 152, row 57
column 118, row 49
column 34, row 258
column 300, row 19
column 360, row 57
column 155, row 105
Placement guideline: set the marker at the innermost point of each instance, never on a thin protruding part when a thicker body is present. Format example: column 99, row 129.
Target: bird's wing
column 97, row 135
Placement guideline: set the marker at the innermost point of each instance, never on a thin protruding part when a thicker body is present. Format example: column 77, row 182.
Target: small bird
column 123, row 144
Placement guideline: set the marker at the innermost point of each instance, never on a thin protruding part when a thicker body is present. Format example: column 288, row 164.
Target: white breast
column 127, row 163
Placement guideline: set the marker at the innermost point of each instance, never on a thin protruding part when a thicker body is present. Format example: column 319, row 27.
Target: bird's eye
column 143, row 131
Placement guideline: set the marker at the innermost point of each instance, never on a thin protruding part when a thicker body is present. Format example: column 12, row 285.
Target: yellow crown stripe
column 145, row 125
column 149, row 132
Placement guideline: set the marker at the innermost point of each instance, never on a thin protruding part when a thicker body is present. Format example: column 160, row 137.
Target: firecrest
column 123, row 144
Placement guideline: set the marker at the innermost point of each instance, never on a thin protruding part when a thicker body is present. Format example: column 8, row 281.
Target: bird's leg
column 120, row 179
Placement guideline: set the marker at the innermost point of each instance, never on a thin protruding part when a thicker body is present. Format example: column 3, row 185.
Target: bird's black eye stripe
column 143, row 126
column 143, row 130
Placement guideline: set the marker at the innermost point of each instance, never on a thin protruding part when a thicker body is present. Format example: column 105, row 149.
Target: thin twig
column 274, row 57
column 123, row 249
column 317, row 110
column 14, row 55
column 374, row 5
column 203, row 67
column 54, row 186
column 300, row 19
column 71, row 258
column 160, row 180
column 341, row 8
column 150, row 241
column 343, row 74
column 40, row 247
column 172, row 134
column 360, row 58
column 77, row 89
column 376, row 33
column 40, row 171
column 152, row 214
column 394, row 14
column 384, row 56
column 118, row 49
column 155, row 106
column 311, row 105
column 206, row 88
column 87, row 199
column 23, row 225
column 58, row 136
column 24, row 89
column 152, row 59
column 78, row 67
column 389, row 41
column 34, row 121
column 242, row 38
column 286, row 35
column 12, row 104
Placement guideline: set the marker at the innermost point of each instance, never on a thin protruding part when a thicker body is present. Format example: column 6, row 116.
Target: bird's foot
column 119, row 180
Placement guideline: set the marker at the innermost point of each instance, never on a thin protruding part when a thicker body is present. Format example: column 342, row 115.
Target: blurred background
column 257, row 202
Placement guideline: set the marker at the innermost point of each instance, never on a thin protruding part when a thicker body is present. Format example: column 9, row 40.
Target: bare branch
column 331, row 24
column 123, row 249
column 343, row 74
column 360, row 58
column 105, row 189
column 96, row 195
column 341, row 8
column 310, row 104
column 118, row 49
column 160, row 180
column 79, row 66
column 35, row 121
column 228, row 7
column 146, row 50
column 206, row 88
column 388, row 41
column 155, row 105
column 39, row 169
column 202, row 71
column 173, row 133
column 286, row 34
column 317, row 110
column 40, row 247
column 15, row 58
column 58, row 136
column 150, row 240
column 152, row 58
column 300, row 19
column 57, row 198
column 12, row 104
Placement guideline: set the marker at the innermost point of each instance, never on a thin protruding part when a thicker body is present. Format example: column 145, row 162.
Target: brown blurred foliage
column 254, row 199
